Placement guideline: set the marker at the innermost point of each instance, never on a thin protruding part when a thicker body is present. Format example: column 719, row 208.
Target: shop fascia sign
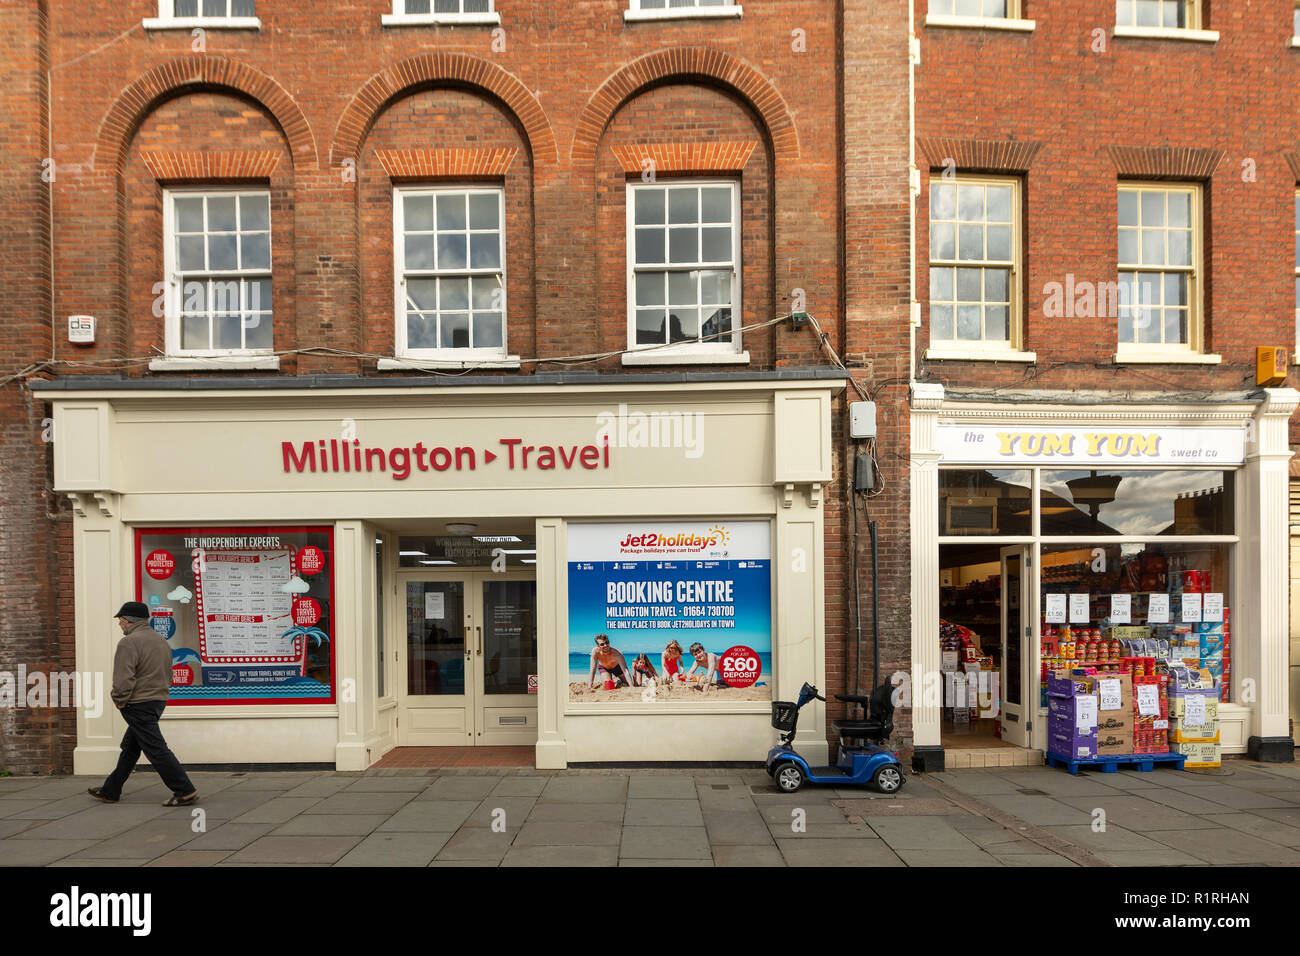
column 342, row 455
column 1090, row 446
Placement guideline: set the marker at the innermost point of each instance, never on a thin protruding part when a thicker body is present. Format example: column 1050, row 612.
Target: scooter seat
column 854, row 699
column 865, row 729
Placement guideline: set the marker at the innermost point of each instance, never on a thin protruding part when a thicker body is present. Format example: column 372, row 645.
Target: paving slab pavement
column 1012, row 816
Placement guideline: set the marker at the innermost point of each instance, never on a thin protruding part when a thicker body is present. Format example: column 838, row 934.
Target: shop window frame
column 458, row 357
column 174, row 295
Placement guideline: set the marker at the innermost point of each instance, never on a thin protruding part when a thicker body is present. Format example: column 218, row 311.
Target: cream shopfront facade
column 1095, row 510
column 343, row 566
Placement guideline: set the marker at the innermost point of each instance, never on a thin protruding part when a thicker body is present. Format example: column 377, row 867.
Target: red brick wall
column 1050, row 87
column 324, row 87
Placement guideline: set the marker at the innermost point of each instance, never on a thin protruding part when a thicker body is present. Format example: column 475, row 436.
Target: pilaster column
column 552, row 643
column 926, row 709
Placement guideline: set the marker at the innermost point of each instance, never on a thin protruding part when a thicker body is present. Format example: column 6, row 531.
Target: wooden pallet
column 1141, row 762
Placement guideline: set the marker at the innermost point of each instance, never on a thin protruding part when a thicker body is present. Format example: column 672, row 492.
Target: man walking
column 142, row 677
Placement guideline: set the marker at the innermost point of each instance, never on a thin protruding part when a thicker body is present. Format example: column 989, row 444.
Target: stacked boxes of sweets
column 1214, row 644
column 1115, row 714
column 1065, row 647
column 1194, row 716
column 1150, row 729
column 1072, row 716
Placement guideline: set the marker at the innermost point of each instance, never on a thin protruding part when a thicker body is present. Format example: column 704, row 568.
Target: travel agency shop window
column 1057, row 536
column 659, row 511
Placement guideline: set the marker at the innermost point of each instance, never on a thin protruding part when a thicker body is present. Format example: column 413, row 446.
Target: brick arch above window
column 411, row 74
column 683, row 64
column 199, row 71
column 986, row 155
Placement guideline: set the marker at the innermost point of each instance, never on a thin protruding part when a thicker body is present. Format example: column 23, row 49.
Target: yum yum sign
column 1091, row 446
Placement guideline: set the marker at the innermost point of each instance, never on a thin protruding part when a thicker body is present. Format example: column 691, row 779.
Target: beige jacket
column 142, row 666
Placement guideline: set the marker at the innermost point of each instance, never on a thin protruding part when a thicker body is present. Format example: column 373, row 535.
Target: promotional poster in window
column 664, row 612
column 247, row 612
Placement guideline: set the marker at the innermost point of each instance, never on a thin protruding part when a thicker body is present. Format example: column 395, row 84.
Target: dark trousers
column 142, row 734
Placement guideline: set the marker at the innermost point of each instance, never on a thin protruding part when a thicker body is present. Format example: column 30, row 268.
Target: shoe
column 175, row 801
column 98, row 794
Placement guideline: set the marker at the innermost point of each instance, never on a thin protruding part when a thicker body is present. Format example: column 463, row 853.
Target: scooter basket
column 784, row 715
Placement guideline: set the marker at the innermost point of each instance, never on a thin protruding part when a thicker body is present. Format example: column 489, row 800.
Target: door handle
column 479, row 628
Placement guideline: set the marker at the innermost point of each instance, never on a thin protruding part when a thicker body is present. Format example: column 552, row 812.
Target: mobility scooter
column 863, row 759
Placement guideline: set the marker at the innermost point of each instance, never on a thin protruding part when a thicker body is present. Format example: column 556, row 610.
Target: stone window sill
column 980, row 355
column 216, row 363
column 980, row 23
column 1168, row 33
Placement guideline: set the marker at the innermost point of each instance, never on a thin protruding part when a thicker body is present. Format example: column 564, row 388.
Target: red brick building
column 295, row 223
column 1106, row 233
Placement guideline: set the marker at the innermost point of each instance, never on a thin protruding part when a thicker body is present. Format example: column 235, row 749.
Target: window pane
column 649, row 206
column 451, row 211
column 189, row 214
column 1115, row 501
column 970, row 243
column 1180, row 210
column 223, row 252
column 999, row 198
column 1175, row 288
column 1176, row 326
column 999, row 244
column 484, row 292
column 487, row 330
column 941, row 285
column 683, row 245
column 254, row 212
column 214, row 8
column 1128, row 208
column 984, row 502
column 943, row 201
column 1180, row 247
column 1153, row 209
column 682, row 288
column 941, row 322
column 422, row 295
column 995, row 8
column 995, row 323
column 417, row 6
column 186, row 8
column 257, row 331
column 943, row 241
column 1148, row 13
column 485, row 250
column 419, row 252
column 1128, row 246
column 1153, row 247
column 194, row 332
column 649, row 245
column 683, row 324
column 189, row 253
column 967, row 8
column 257, row 295
column 650, row 288
column 716, row 244
column 417, row 213
column 683, row 205
column 715, row 288
column 715, row 324
column 451, row 249
column 221, row 214
column 969, row 325
column 228, row 331
column 454, row 294
column 970, row 283
column 242, row 8
column 255, row 251
column 651, row 326
column 716, row 204
column 421, row 332
column 997, row 285
column 970, row 203
column 484, row 211
column 455, row 330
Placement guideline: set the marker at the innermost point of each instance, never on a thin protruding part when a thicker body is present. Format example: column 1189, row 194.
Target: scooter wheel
column 789, row 777
column 888, row 779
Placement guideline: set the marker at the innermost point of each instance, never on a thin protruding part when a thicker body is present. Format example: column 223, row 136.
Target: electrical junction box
column 81, row 329
column 862, row 420
column 1270, row 366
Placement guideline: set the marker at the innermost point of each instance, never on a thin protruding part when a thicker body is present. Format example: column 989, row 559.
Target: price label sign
column 1192, row 608
column 1055, row 611
column 741, row 666
column 1085, row 715
column 1148, row 698
column 1111, row 698
column 1158, row 609
column 1121, row 609
column 1079, row 609
column 1212, row 607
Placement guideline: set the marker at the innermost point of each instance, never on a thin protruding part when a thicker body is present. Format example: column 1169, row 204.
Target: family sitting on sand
column 611, row 665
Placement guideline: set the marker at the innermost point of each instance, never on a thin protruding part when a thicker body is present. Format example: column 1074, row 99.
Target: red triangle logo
column 488, row 457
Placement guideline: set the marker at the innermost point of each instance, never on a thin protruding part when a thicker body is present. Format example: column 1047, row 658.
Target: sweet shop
column 1085, row 571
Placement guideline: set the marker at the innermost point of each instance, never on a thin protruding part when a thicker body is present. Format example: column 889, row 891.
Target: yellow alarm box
column 1270, row 365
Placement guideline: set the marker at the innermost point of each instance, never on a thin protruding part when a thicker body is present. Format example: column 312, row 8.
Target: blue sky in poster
column 746, row 619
